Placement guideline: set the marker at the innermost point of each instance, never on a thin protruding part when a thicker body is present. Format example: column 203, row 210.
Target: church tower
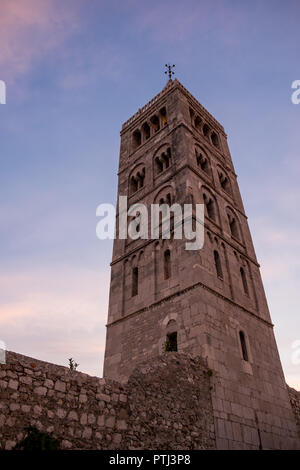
column 209, row 302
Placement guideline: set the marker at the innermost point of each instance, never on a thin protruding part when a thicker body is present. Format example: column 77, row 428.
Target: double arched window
column 204, row 128
column 224, row 181
column 149, row 128
column 202, row 160
column 137, row 180
column 162, row 161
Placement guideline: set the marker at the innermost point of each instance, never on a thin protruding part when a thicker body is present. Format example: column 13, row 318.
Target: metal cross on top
column 169, row 70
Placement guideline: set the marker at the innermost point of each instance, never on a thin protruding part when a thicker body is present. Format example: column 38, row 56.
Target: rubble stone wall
column 165, row 405
column 295, row 402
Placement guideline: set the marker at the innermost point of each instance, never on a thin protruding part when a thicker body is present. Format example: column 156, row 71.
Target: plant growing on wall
column 72, row 364
column 169, row 346
column 37, row 440
column 171, row 342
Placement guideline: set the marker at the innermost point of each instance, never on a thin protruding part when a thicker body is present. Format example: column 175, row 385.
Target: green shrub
column 72, row 364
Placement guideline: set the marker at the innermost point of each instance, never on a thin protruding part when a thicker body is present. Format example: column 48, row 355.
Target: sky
column 75, row 70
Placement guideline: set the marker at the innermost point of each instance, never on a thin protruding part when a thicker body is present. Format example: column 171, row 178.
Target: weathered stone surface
column 25, row 408
column 13, row 384
column 121, row 424
column 48, row 383
column 37, row 410
column 165, row 404
column 83, row 419
column 295, row 402
column 60, row 413
column 14, row 406
column 73, row 416
column 156, row 409
column 40, row 391
column 60, row 386
column 211, row 300
column 26, row 380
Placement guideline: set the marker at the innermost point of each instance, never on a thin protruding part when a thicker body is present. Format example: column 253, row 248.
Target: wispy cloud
column 33, row 30
column 91, row 66
column 173, row 22
column 278, row 246
column 56, row 313
column 29, row 29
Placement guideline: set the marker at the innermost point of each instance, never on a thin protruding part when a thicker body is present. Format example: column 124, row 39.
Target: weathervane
column 169, row 71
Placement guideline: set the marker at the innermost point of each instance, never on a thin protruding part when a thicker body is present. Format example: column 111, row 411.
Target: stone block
column 60, row 386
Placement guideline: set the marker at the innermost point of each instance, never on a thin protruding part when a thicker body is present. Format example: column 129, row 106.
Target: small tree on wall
column 72, row 364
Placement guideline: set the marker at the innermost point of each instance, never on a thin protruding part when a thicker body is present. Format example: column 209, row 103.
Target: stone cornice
column 171, row 86
column 184, row 291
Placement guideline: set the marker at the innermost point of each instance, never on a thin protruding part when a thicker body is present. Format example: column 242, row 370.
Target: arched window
column 202, row 161
column 167, row 264
column 135, row 281
column 133, row 185
column 244, row 281
column 197, row 123
column 141, row 177
column 192, row 114
column 210, row 208
column 218, row 264
column 136, row 138
column 163, row 114
column 206, row 130
column 243, row 346
column 166, row 158
column 171, row 342
column 214, row 139
column 233, row 226
column 155, row 123
column 136, row 219
column 159, row 165
column 224, row 181
column 137, row 180
column 163, row 161
column 146, row 131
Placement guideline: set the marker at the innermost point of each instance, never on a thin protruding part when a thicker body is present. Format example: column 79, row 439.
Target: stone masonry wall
column 164, row 405
column 295, row 402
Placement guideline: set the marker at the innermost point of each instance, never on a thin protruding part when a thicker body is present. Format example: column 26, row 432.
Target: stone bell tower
column 210, row 302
